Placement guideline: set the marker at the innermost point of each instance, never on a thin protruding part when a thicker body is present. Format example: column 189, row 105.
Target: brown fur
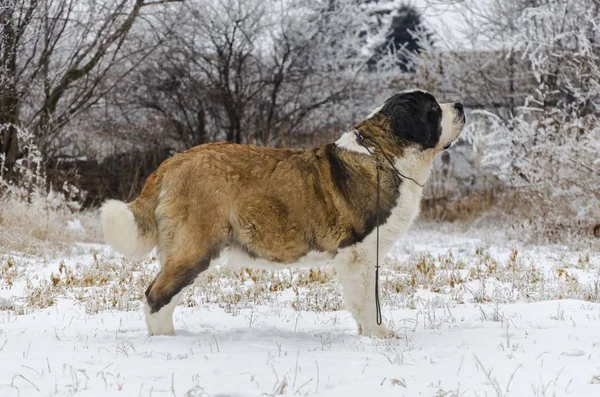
column 258, row 199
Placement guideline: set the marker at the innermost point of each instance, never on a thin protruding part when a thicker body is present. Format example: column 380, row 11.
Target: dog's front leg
column 357, row 277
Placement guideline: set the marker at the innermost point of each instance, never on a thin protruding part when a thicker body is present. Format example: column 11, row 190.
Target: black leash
column 361, row 140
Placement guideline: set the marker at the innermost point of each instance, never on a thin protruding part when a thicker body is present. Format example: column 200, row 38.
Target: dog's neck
column 415, row 164
column 369, row 140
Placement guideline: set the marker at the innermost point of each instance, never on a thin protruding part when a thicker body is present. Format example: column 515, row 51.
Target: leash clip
column 360, row 137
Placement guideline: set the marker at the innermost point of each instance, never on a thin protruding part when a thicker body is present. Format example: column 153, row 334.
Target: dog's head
column 416, row 118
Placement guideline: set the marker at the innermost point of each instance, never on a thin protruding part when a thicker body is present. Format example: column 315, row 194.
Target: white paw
column 156, row 329
column 159, row 323
column 159, row 332
column 378, row 331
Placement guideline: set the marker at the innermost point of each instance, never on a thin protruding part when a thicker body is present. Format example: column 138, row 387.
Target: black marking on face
column 415, row 116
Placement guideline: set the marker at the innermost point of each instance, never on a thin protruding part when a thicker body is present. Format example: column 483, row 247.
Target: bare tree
column 259, row 72
column 55, row 59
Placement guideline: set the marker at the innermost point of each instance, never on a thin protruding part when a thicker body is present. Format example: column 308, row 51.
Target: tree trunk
column 9, row 100
column 200, row 133
column 10, row 147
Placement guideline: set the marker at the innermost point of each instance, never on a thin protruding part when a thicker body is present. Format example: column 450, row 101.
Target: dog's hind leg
column 188, row 240
column 165, row 292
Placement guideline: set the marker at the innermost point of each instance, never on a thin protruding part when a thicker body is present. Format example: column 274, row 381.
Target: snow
column 450, row 344
column 92, row 355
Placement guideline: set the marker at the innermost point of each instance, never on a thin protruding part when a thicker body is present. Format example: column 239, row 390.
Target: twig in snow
column 296, row 371
column 488, row 374
column 304, row 384
column 317, row 387
column 173, row 385
column 461, row 364
column 36, row 372
column 512, row 376
column 24, row 378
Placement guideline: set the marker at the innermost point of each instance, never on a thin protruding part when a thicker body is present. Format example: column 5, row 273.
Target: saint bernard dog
column 275, row 208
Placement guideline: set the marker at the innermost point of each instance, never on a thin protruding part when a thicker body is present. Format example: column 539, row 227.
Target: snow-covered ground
column 477, row 315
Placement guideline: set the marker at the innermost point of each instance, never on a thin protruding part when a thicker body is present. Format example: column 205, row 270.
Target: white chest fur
column 399, row 221
column 416, row 166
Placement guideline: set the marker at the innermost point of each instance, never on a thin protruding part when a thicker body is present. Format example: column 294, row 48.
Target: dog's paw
column 161, row 332
column 379, row 332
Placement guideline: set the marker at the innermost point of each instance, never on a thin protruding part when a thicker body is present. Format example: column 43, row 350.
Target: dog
column 275, row 208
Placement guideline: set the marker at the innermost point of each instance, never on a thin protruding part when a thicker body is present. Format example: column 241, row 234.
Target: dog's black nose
column 459, row 106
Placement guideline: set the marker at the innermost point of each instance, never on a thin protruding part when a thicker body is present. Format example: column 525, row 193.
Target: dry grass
column 523, row 216
column 36, row 230
column 109, row 283
column 8, row 274
column 480, row 278
column 467, row 207
column 315, row 290
column 104, row 284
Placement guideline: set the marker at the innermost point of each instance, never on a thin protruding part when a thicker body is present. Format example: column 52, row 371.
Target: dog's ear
column 406, row 121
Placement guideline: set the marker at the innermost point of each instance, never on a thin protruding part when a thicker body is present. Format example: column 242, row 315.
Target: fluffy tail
column 130, row 228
